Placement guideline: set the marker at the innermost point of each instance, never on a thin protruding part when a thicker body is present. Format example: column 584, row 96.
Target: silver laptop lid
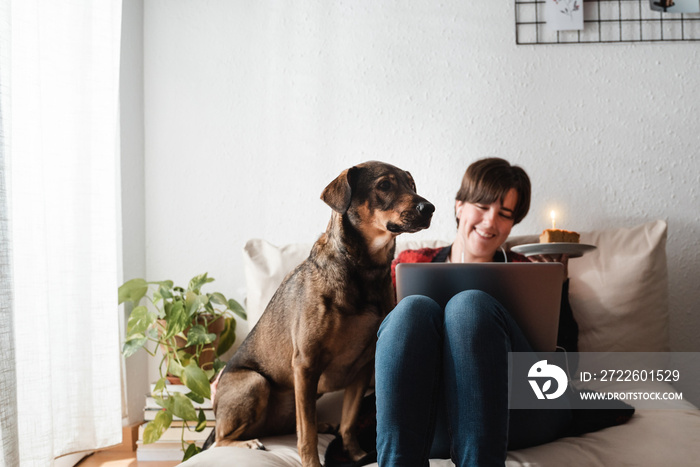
column 531, row 292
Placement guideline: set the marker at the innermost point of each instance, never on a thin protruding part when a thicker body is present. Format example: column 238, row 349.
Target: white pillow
column 266, row 265
column 618, row 292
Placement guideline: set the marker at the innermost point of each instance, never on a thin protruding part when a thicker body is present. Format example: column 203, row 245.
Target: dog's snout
column 425, row 208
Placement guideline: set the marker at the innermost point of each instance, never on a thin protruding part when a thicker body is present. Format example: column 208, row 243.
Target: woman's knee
column 413, row 313
column 473, row 309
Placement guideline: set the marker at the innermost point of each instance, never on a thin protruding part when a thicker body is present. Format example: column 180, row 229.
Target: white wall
column 252, row 107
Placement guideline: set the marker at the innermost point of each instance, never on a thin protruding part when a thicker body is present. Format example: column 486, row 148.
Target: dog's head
column 378, row 197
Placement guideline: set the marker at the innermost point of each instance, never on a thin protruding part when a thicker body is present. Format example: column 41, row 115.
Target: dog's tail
column 210, row 440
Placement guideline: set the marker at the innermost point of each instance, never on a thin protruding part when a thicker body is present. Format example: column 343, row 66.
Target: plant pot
column 208, row 354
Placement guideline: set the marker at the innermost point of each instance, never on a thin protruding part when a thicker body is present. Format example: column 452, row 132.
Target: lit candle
column 553, row 216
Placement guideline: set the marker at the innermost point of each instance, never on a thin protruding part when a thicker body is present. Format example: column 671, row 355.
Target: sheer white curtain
column 59, row 327
column 9, row 454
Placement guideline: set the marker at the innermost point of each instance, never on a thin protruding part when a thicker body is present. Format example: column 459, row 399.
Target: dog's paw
column 256, row 445
column 249, row 444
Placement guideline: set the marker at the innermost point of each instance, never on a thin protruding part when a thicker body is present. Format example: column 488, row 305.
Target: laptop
column 531, row 292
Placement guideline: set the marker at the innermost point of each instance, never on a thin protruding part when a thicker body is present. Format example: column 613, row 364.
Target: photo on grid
column 676, row 6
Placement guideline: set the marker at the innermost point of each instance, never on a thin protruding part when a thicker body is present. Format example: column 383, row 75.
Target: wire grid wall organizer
column 606, row 21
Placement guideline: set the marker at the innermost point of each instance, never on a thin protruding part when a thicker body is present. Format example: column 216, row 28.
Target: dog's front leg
column 351, row 408
column 305, row 388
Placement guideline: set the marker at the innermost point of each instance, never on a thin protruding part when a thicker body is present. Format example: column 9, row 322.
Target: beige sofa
column 619, row 297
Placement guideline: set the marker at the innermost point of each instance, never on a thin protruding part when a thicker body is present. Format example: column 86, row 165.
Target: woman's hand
column 563, row 259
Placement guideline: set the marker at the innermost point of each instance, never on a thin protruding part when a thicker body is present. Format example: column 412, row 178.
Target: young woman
column 442, row 374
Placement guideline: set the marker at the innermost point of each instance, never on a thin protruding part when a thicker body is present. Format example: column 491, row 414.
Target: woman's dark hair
column 489, row 180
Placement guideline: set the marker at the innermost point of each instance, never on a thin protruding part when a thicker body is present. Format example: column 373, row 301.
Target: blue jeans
column 442, row 385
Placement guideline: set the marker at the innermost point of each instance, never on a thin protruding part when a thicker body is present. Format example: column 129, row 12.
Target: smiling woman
column 493, row 197
column 60, row 67
column 455, row 355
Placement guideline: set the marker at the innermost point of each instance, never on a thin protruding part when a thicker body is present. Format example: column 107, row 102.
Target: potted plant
column 192, row 329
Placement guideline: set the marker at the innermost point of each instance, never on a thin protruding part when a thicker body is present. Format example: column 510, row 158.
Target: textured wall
column 252, row 107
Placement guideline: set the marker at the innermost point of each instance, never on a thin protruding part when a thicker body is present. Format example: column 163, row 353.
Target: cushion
column 266, row 265
column 618, row 292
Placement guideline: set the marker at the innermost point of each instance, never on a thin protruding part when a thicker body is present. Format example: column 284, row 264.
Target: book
column 152, row 407
column 150, row 414
column 169, row 446
column 192, row 425
column 171, row 388
column 161, row 451
column 176, row 433
column 152, row 404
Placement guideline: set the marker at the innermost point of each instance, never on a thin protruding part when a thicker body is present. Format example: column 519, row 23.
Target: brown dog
column 319, row 331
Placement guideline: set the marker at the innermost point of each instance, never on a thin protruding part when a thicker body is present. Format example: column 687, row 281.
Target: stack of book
column 169, row 446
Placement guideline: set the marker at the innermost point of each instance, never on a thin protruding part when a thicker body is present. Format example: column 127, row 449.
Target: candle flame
column 553, row 216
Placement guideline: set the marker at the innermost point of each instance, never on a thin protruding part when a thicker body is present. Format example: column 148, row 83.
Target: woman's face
column 484, row 227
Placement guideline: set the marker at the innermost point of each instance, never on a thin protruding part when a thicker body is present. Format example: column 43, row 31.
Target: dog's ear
column 411, row 182
column 338, row 193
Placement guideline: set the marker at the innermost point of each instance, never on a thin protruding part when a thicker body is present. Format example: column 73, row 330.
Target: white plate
column 574, row 250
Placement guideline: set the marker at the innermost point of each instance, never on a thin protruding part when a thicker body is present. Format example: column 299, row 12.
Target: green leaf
column 163, row 402
column 132, row 345
column 155, row 429
column 152, row 333
column 196, row 380
column 177, row 320
column 198, row 281
column 165, row 292
column 133, row 291
column 195, row 397
column 164, row 284
column 237, row 309
column 174, row 368
column 159, row 386
column 202, row 421
column 198, row 335
column 228, row 336
column 195, row 302
column 182, row 407
column 218, row 298
column 184, row 357
column 140, row 320
column 218, row 365
column 191, row 450
column 191, row 299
